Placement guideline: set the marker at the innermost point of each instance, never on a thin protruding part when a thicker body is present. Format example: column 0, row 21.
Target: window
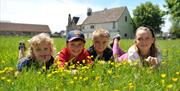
column 92, row 27
column 114, row 26
column 125, row 18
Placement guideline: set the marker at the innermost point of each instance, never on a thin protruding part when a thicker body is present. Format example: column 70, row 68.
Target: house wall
column 125, row 28
column 108, row 26
column 20, row 33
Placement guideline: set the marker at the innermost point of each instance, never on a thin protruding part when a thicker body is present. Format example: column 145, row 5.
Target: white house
column 115, row 20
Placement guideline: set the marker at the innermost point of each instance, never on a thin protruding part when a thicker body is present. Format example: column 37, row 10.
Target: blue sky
column 55, row 12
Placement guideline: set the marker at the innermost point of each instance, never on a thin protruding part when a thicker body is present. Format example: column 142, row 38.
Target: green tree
column 148, row 14
column 173, row 8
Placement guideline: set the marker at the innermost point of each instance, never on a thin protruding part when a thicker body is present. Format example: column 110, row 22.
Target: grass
column 110, row 76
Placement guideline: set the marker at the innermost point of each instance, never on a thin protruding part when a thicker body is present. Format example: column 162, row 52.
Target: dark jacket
column 29, row 62
column 107, row 54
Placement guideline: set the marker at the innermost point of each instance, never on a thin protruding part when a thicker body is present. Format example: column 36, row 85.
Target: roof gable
column 4, row 26
column 107, row 15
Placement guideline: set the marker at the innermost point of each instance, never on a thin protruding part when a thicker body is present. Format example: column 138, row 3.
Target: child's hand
column 152, row 60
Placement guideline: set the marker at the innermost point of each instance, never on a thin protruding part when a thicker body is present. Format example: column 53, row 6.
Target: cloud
column 51, row 12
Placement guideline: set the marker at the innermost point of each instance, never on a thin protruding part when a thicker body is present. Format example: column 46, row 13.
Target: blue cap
column 75, row 34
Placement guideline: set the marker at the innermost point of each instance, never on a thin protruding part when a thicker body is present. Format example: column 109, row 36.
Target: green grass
column 102, row 77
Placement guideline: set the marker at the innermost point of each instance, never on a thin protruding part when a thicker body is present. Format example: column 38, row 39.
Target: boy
column 74, row 53
column 100, row 50
column 40, row 52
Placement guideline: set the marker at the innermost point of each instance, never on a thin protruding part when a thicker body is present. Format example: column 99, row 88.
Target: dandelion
column 44, row 67
column 89, row 57
column 49, row 75
column 2, row 71
column 71, row 82
column 109, row 71
column 58, row 62
column 163, row 62
column 9, row 80
column 162, row 81
column 83, row 61
column 116, row 90
column 101, row 62
column 85, row 79
column 117, row 65
column 177, row 73
column 174, row 79
column 80, row 77
column 163, row 75
column 97, row 77
column 169, row 86
column 130, row 85
column 39, row 72
column 75, row 78
column 3, row 78
column 112, row 63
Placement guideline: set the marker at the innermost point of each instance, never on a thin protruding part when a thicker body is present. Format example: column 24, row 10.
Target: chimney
column 89, row 11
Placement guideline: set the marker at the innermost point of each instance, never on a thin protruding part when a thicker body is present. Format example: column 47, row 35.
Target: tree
column 173, row 8
column 149, row 14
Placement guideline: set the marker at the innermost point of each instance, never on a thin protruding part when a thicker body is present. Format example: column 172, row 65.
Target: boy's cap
column 75, row 34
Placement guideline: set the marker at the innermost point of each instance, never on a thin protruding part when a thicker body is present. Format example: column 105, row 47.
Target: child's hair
column 153, row 48
column 38, row 39
column 100, row 33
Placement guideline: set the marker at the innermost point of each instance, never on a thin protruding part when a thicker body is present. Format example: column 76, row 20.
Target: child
column 144, row 48
column 40, row 52
column 100, row 50
column 74, row 53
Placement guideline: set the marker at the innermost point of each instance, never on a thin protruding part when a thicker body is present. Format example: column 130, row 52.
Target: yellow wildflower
column 116, row 90
column 85, row 79
column 177, row 73
column 163, row 75
column 71, row 82
column 49, row 75
column 130, row 85
column 9, row 80
column 2, row 71
column 109, row 71
column 3, row 78
column 80, row 77
column 112, row 63
column 169, row 86
column 162, row 81
column 97, row 77
column 75, row 78
column 83, row 61
column 174, row 79
column 89, row 57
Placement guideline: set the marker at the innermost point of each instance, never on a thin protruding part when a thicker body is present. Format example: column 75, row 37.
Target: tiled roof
column 5, row 26
column 106, row 15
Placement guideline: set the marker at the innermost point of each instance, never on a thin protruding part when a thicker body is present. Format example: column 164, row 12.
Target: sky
column 55, row 12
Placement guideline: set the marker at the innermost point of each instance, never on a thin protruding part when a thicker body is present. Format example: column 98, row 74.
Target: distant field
column 102, row 77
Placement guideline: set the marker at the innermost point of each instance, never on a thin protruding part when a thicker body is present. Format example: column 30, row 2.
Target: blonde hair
column 39, row 39
column 100, row 33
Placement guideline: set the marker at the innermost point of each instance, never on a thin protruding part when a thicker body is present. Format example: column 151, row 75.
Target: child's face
column 100, row 43
column 42, row 52
column 75, row 47
column 144, row 39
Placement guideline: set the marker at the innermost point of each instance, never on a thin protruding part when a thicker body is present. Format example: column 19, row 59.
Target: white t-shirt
column 134, row 56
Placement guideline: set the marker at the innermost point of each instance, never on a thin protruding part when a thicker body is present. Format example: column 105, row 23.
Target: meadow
column 109, row 76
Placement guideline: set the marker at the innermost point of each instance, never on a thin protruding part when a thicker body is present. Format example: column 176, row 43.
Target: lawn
column 109, row 76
